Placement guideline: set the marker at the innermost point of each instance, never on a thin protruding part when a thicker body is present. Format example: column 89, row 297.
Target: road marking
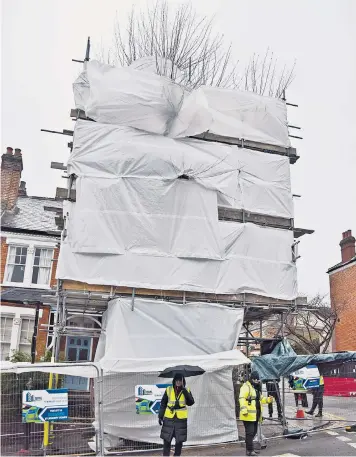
column 329, row 432
column 343, row 438
column 334, row 416
column 286, row 455
column 352, row 444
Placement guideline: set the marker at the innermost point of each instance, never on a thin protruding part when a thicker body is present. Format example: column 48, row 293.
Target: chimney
column 11, row 168
column 347, row 245
column 22, row 189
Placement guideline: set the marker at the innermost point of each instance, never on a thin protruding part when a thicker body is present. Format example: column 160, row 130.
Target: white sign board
column 49, row 405
column 148, row 398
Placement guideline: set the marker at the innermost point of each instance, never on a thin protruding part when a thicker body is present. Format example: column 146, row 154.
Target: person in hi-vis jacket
column 173, row 415
column 251, row 400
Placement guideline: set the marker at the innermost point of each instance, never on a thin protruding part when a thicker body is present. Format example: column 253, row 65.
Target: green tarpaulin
column 283, row 361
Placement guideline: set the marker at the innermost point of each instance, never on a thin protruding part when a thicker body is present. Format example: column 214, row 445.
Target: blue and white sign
column 148, row 398
column 49, row 405
column 307, row 377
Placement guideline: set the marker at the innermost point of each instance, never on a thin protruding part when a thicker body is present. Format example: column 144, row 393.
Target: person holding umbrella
column 251, row 400
column 173, row 414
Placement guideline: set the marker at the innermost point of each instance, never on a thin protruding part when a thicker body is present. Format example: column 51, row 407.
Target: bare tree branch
column 187, row 50
column 312, row 330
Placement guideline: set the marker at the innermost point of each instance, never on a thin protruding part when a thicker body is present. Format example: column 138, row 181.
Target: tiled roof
column 342, row 264
column 21, row 294
column 31, row 215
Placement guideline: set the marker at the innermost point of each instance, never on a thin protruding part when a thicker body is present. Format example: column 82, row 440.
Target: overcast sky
column 40, row 37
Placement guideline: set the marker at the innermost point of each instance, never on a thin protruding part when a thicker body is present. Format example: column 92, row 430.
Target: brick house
column 342, row 278
column 29, row 253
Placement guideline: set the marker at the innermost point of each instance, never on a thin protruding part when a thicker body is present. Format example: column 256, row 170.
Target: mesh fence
column 64, row 438
column 124, row 413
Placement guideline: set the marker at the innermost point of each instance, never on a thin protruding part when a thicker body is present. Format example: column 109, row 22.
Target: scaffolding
column 77, row 299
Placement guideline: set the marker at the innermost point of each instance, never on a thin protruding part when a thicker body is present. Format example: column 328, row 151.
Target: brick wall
column 53, row 282
column 343, row 296
column 42, row 332
column 4, row 249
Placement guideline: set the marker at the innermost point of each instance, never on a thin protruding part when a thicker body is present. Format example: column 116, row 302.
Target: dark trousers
column 273, row 391
column 318, row 399
column 167, row 448
column 250, row 433
column 304, row 400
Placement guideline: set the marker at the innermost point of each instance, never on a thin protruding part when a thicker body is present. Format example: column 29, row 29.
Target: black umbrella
column 185, row 370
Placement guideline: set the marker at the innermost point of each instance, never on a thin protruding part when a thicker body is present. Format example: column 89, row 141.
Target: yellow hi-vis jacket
column 248, row 411
column 171, row 412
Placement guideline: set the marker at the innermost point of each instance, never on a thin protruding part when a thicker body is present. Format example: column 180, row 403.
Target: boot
column 320, row 414
column 309, row 412
column 256, row 451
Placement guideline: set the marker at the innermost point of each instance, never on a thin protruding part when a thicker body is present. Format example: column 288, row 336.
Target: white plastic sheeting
column 211, row 420
column 155, row 104
column 209, row 362
column 86, row 370
column 242, row 178
column 168, row 333
column 255, row 260
column 145, row 216
column 162, row 329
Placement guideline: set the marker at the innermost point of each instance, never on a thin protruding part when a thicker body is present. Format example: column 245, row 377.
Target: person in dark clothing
column 250, row 409
column 173, row 415
column 273, row 391
column 318, row 399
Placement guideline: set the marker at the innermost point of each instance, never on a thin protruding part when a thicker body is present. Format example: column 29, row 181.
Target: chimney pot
column 347, row 245
column 22, row 189
column 17, row 152
column 9, row 150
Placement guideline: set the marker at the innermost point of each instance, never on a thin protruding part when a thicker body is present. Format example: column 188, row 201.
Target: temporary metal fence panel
column 76, row 435
column 102, row 418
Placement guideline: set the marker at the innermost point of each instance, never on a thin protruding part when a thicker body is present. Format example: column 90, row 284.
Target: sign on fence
column 49, row 405
column 306, row 378
column 148, row 398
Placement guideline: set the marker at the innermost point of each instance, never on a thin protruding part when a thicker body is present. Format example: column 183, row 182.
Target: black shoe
column 320, row 414
column 251, row 453
column 270, row 416
column 309, row 412
column 280, row 418
column 257, row 451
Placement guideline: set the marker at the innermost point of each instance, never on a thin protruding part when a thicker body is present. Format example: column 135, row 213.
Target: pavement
column 330, row 443
column 328, row 439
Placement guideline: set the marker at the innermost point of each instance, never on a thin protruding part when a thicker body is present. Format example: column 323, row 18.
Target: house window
column 5, row 335
column 16, row 263
column 42, row 266
column 26, row 334
column 29, row 265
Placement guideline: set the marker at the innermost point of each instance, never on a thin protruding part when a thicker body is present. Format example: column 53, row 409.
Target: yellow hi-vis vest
column 321, row 382
column 182, row 412
column 248, row 411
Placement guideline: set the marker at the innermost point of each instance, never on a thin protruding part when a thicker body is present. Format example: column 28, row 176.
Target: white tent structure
column 157, row 335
